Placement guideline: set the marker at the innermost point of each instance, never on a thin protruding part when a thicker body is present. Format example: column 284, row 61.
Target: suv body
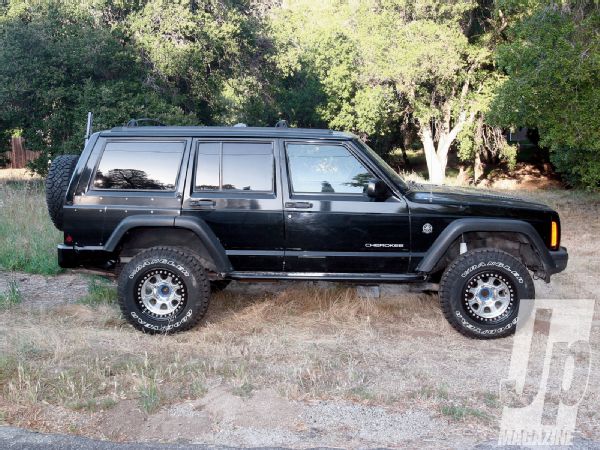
column 285, row 203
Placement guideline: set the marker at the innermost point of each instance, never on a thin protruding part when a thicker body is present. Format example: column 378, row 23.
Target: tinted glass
column 326, row 169
column 139, row 165
column 246, row 166
column 383, row 165
column 207, row 166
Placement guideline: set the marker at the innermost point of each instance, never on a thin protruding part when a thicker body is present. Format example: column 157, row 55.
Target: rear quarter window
column 139, row 165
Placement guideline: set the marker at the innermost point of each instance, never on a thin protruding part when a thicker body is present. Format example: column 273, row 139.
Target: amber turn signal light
column 554, row 235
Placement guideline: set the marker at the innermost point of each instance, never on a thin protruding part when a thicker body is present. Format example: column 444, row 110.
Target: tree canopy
column 445, row 75
column 552, row 64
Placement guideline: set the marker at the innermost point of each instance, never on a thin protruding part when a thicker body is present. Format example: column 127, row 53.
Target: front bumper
column 560, row 258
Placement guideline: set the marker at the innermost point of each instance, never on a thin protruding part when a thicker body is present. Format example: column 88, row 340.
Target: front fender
column 460, row 226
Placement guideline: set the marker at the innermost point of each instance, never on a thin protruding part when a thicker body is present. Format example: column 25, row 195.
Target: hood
column 430, row 193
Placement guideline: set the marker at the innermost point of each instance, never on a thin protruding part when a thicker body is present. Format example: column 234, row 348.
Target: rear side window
column 234, row 166
column 139, row 165
column 325, row 169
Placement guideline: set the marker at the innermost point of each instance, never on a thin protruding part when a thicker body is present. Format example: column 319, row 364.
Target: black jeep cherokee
column 181, row 211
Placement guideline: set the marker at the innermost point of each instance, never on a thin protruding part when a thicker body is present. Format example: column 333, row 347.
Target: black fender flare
column 460, row 226
column 194, row 224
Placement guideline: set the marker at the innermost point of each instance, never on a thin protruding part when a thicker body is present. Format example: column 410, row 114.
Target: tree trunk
column 437, row 158
column 477, row 167
column 436, row 166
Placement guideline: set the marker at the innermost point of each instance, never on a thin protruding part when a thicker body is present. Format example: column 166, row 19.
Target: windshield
column 383, row 165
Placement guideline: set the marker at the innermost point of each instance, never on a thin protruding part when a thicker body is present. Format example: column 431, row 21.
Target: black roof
column 270, row 132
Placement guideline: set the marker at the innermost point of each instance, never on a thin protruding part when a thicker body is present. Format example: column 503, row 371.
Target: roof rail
column 138, row 122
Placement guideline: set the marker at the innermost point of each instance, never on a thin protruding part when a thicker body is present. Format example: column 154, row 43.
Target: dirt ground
column 290, row 364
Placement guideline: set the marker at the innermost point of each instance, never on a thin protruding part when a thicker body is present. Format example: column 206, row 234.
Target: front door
column 331, row 225
column 233, row 188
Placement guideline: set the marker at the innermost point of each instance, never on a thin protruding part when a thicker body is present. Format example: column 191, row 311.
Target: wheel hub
column 161, row 293
column 488, row 296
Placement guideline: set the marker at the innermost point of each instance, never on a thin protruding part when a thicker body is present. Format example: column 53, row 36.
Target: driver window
column 329, row 169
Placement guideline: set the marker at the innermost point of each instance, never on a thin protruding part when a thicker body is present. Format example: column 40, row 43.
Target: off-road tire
column 472, row 272
column 57, row 182
column 175, row 267
column 219, row 285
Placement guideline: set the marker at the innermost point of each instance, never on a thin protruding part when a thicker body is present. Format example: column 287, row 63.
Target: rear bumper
column 70, row 257
column 560, row 258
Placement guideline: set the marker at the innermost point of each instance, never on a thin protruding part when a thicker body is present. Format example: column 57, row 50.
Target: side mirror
column 377, row 189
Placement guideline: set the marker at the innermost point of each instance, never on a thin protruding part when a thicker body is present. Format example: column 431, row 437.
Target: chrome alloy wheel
column 489, row 297
column 161, row 294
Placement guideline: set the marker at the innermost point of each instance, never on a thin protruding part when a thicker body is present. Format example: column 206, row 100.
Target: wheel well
column 138, row 239
column 516, row 244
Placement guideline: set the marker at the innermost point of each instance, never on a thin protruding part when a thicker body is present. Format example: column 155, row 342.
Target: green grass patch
column 491, row 400
column 460, row 412
column 430, row 393
column 27, row 237
column 8, row 368
column 100, row 292
column 12, row 296
column 93, row 404
column 150, row 398
column 198, row 389
column 244, row 390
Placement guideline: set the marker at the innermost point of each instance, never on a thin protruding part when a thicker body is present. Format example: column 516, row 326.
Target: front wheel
column 480, row 292
column 163, row 290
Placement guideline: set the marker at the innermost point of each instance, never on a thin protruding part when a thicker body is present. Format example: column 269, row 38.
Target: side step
column 316, row 276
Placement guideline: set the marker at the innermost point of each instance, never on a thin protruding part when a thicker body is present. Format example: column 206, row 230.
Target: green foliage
column 553, row 71
column 487, row 143
column 461, row 412
column 150, row 396
column 59, row 60
column 467, row 143
column 386, row 70
column 580, row 167
column 194, row 49
column 370, row 66
column 27, row 237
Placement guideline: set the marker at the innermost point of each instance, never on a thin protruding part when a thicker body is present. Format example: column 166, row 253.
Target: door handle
column 202, row 204
column 302, row 205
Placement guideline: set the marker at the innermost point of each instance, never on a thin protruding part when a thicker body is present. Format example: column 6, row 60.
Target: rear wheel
column 163, row 290
column 481, row 290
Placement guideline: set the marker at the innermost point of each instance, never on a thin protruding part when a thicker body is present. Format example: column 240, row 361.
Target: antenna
column 88, row 128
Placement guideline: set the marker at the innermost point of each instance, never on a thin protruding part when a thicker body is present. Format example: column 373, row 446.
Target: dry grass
column 80, row 367
column 307, row 342
column 17, row 175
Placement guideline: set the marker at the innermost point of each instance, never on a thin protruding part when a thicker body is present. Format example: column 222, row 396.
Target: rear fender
column 209, row 240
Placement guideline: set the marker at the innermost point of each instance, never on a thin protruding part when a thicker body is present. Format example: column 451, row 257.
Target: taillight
column 554, row 238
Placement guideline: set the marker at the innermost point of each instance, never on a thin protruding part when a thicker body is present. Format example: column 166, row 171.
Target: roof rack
column 138, row 122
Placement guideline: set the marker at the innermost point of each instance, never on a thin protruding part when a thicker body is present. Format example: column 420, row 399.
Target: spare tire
column 57, row 183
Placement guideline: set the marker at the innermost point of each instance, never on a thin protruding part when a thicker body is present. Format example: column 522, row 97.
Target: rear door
column 233, row 187
column 331, row 224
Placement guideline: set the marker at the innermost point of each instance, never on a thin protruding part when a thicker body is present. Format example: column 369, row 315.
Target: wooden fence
column 19, row 155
